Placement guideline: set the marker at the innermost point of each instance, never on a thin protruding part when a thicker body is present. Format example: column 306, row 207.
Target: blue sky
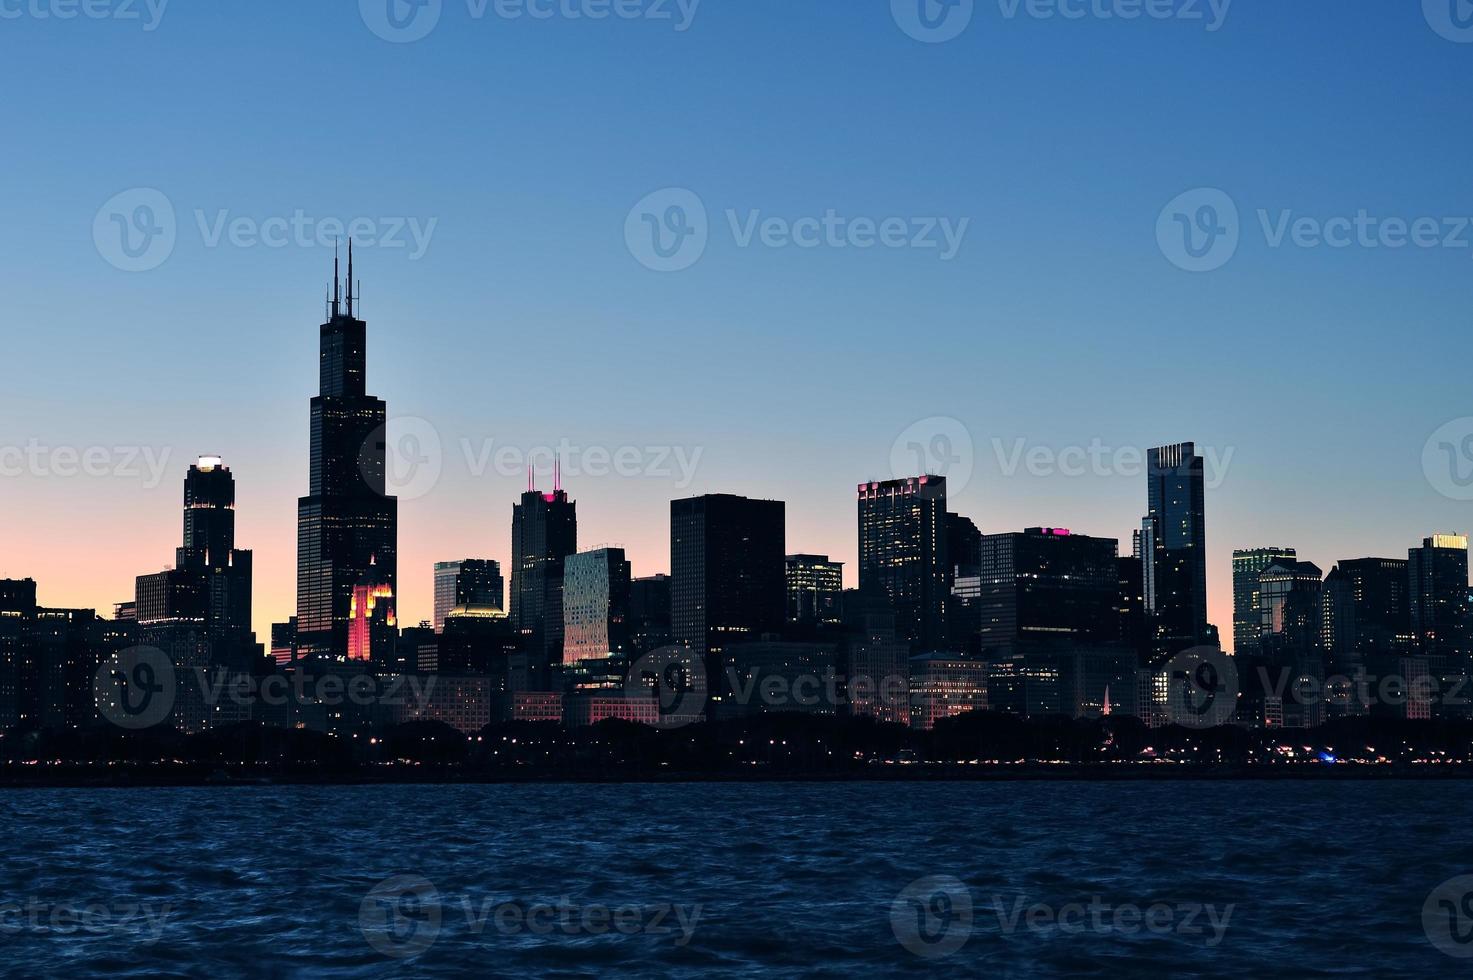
column 524, row 144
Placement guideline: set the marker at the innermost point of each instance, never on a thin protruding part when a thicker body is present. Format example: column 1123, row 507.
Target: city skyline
column 405, row 464
column 1041, row 328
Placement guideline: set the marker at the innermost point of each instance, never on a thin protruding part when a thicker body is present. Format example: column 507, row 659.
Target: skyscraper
column 1048, row 586
column 596, row 637
column 544, row 532
column 348, row 524
column 1366, row 612
column 1174, row 540
column 1248, row 565
column 815, row 586
column 727, row 571
column 210, row 584
column 468, row 582
column 902, row 553
column 1437, row 575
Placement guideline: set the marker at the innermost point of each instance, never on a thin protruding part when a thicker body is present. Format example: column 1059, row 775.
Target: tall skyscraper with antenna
column 347, row 525
column 544, row 532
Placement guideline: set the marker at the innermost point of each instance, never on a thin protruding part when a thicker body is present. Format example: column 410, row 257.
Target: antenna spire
column 337, row 282
column 557, row 474
column 531, row 480
column 350, row 276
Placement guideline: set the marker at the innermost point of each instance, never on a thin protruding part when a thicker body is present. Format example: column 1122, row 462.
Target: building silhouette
column 1174, row 550
column 1248, row 565
column 902, row 553
column 728, row 581
column 544, row 532
column 468, row 582
column 348, row 524
column 815, row 587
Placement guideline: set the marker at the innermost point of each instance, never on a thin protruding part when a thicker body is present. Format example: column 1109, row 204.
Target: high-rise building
column 963, row 546
column 1048, row 585
column 1248, row 565
column 596, row 588
column 728, row 581
column 1437, row 576
column 468, row 582
column 17, row 637
column 1365, row 613
column 284, row 641
column 815, row 585
column 1174, row 541
column 902, row 553
column 544, row 532
column 210, row 584
column 649, row 613
column 1290, row 609
column 348, row 524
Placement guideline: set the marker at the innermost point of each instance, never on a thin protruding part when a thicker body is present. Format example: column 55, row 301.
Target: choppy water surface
column 1014, row 879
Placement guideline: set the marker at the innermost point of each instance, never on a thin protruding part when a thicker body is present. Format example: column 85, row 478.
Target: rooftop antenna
column 350, row 277
column 557, row 474
column 531, row 480
column 337, row 283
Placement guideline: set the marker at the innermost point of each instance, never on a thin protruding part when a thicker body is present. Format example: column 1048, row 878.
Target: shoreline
column 192, row 776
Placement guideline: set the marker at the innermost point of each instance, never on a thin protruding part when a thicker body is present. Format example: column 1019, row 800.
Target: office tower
column 468, row 582
column 728, row 580
column 284, row 641
column 70, row 646
column 1366, row 612
column 1131, row 599
column 1290, row 611
column 814, row 587
column 874, row 658
column 544, row 532
column 348, row 524
column 17, row 636
column 649, row 613
column 774, row 675
column 963, row 545
column 1048, row 585
column 210, row 584
column 1175, row 543
column 1248, row 565
column 902, row 553
column 1437, row 577
column 944, row 686
column 596, row 639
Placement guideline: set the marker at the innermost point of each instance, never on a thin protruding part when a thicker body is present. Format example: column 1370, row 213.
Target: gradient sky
column 527, row 320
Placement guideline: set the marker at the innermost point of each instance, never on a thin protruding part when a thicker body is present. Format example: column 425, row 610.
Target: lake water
column 742, row 880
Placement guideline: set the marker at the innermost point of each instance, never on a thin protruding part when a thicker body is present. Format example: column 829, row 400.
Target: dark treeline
column 768, row 745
